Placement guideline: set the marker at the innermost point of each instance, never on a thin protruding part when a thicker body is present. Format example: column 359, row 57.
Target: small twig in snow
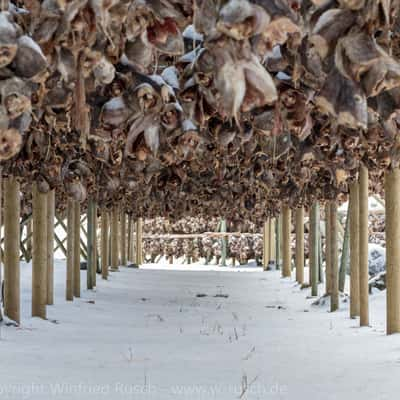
column 245, row 385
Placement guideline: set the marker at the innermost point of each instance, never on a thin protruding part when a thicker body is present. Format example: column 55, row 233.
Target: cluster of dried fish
column 191, row 107
column 187, row 225
column 376, row 229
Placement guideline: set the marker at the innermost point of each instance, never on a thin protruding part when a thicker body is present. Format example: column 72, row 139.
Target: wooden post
column 29, row 240
column 278, row 230
column 96, row 245
column 313, row 250
column 130, row 238
column 328, row 272
column 50, row 246
column 265, row 245
column 392, row 205
column 69, row 293
column 39, row 259
column 133, row 256
column 364, row 274
column 271, row 237
column 11, row 249
column 114, row 239
column 286, row 253
column 300, row 245
column 104, row 243
column 139, row 244
column 1, row 224
column 354, row 250
column 344, row 260
column 320, row 267
column 77, row 248
column 224, row 243
column 334, row 256
column 123, row 238
column 91, row 243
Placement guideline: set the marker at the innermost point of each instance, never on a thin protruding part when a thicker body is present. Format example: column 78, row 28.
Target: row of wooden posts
column 115, row 252
column 358, row 237
column 118, row 245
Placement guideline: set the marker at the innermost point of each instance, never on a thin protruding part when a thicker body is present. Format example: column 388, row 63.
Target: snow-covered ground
column 160, row 333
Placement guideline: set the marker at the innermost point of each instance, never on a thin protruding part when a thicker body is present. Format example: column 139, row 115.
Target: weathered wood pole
column 334, row 256
column 139, row 241
column 11, row 249
column 392, row 205
column 354, row 251
column 114, row 239
column 286, row 253
column 265, row 259
column 130, row 237
column 69, row 292
column 300, row 245
column 77, row 248
column 320, row 267
column 29, row 231
column 1, row 223
column 278, row 239
column 224, row 243
column 123, row 238
column 313, row 250
column 96, row 245
column 364, row 274
column 344, row 260
column 91, row 243
column 39, row 259
column 133, row 257
column 104, row 243
column 271, row 237
column 50, row 246
column 328, row 264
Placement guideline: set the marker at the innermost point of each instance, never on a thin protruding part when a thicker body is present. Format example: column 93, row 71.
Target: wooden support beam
column 286, row 253
column 39, row 259
column 28, row 239
column 344, row 260
column 83, row 219
column 320, row 266
column 129, row 249
column 139, row 241
column 334, row 256
column 82, row 244
column 114, row 239
column 328, row 264
column 392, row 206
column 300, row 245
column 224, row 243
column 1, row 224
column 60, row 244
column 50, row 246
column 313, row 248
column 91, row 244
column 104, row 243
column 271, row 237
column 364, row 273
column 69, row 292
column 265, row 259
column 77, row 253
column 97, row 268
column 11, row 249
column 123, row 238
column 278, row 239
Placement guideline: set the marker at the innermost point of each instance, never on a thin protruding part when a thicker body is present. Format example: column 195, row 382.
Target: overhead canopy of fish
column 175, row 108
